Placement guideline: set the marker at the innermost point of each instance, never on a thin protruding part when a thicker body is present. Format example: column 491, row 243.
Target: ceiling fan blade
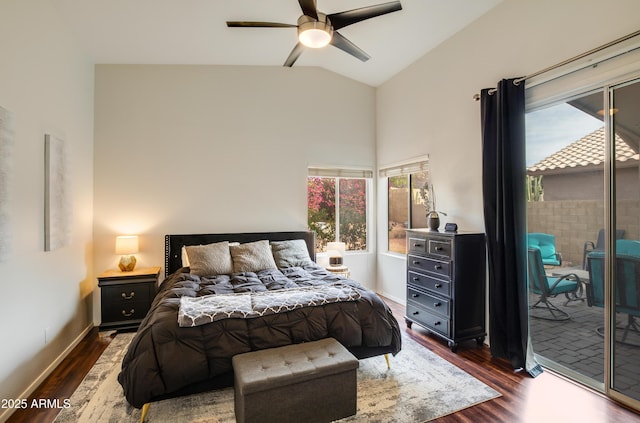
column 338, row 40
column 293, row 56
column 309, row 8
column 342, row 19
column 245, row 24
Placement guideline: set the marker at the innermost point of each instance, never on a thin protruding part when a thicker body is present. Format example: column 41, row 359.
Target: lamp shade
column 336, row 248
column 126, row 244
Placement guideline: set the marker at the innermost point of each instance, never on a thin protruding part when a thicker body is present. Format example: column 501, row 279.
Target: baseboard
column 34, row 385
column 402, row 301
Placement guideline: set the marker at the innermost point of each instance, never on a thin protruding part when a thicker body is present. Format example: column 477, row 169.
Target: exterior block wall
column 574, row 222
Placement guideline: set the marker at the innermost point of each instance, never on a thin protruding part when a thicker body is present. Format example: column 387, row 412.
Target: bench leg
column 386, row 357
column 145, row 410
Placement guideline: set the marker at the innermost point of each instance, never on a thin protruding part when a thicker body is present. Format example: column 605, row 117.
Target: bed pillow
column 184, row 256
column 210, row 259
column 252, row 257
column 290, row 253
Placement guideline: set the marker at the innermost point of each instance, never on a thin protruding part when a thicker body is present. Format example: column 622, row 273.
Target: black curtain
column 503, row 184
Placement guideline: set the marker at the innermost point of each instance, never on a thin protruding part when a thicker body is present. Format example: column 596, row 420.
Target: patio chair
column 546, row 243
column 589, row 246
column 627, row 286
column 549, row 287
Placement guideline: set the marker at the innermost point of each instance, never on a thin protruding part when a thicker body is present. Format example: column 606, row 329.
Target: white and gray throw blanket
column 196, row 311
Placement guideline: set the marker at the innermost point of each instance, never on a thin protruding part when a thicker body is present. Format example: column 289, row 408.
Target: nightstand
column 339, row 270
column 126, row 296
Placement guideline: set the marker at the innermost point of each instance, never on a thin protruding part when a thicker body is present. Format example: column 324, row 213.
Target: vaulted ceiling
column 195, row 32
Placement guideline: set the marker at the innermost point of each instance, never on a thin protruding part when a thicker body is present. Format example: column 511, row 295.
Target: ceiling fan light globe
column 314, row 33
column 314, row 38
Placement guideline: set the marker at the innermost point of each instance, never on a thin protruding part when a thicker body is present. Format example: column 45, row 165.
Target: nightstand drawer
column 122, row 295
column 135, row 310
column 430, row 302
column 126, row 297
column 429, row 320
column 440, row 286
column 435, row 267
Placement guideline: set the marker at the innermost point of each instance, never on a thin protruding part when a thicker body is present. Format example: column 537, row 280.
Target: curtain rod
column 476, row 96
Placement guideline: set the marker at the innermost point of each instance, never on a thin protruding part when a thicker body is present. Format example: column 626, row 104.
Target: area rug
column 420, row 386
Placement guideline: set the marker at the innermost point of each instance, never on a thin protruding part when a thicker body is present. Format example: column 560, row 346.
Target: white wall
column 428, row 107
column 48, row 84
column 205, row 149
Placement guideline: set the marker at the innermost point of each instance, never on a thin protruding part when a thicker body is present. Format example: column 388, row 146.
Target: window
column 405, row 203
column 337, row 205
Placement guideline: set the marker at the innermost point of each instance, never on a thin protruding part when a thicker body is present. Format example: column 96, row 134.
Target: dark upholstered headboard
column 173, row 243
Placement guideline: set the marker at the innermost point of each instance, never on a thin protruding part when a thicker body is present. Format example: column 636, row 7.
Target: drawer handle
column 415, row 295
column 128, row 297
column 415, row 262
column 437, row 267
column 416, row 279
column 415, row 313
column 418, row 245
column 438, row 304
column 129, row 314
column 439, row 248
column 438, row 285
column 437, row 323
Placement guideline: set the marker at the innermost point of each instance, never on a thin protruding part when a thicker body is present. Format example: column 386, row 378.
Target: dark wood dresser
column 126, row 297
column 446, row 284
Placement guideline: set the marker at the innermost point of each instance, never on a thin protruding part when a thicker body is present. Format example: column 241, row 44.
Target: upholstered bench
column 308, row 382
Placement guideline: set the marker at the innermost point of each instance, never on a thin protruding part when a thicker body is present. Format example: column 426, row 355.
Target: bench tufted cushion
column 312, row 382
column 261, row 370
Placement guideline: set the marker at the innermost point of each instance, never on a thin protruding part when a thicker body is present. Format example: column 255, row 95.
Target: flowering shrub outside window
column 337, row 211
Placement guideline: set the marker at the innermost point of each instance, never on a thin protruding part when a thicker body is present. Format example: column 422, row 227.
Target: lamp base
column 127, row 263
column 335, row 261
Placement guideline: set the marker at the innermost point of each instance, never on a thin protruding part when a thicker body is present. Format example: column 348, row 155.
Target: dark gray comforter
column 165, row 360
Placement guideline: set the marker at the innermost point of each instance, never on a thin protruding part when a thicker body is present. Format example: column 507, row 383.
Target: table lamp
column 335, row 251
column 126, row 246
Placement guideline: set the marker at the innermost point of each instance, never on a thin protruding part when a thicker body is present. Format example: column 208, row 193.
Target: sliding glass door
column 624, row 271
column 565, row 181
column 583, row 184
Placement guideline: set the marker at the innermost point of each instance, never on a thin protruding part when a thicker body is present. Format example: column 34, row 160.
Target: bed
column 208, row 312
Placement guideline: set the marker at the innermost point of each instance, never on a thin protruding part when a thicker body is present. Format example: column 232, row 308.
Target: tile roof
column 587, row 152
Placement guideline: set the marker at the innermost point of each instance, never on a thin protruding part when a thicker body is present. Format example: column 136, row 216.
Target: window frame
column 347, row 173
column 407, row 169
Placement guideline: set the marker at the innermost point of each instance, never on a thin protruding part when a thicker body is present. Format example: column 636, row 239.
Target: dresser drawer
column 430, row 302
column 434, row 267
column 417, row 246
column 429, row 320
column 135, row 310
column 441, row 248
column 440, row 286
column 122, row 295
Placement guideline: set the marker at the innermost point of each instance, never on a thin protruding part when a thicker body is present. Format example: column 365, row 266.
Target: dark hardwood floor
column 547, row 398
column 64, row 380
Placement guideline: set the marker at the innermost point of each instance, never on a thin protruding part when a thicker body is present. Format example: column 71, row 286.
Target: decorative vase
column 433, row 221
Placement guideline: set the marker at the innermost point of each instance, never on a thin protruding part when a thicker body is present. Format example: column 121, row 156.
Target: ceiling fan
column 316, row 29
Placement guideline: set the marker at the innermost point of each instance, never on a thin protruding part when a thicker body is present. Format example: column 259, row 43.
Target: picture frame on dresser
column 446, row 284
